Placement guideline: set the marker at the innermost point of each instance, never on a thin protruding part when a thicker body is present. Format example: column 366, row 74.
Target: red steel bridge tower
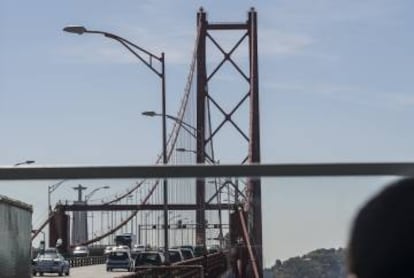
column 205, row 98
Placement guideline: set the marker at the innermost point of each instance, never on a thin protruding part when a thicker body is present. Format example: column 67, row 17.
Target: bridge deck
column 91, row 271
column 212, row 264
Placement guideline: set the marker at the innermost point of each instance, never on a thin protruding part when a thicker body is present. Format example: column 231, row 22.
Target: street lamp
column 187, row 127
column 88, row 196
column 184, row 150
column 43, row 242
column 181, row 227
column 50, row 190
column 136, row 50
column 174, row 231
column 130, row 197
column 146, row 215
column 27, row 162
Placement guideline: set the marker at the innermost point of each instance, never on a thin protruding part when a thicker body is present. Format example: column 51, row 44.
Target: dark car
column 120, row 259
column 175, row 255
column 199, row 250
column 50, row 263
column 185, row 246
column 150, row 258
column 187, row 253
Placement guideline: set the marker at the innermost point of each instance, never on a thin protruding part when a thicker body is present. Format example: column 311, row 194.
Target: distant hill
column 321, row 263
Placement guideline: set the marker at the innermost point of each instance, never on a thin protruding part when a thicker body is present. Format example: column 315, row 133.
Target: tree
column 321, row 263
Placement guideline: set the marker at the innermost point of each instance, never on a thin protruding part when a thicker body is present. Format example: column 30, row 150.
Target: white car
column 81, row 251
column 108, row 249
column 121, row 247
column 138, row 249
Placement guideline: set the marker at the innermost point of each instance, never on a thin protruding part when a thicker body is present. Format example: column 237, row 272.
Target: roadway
column 91, row 272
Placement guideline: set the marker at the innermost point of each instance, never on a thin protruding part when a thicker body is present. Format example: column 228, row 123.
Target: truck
column 127, row 239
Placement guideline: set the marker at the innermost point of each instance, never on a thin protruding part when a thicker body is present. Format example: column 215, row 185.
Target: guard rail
column 84, row 261
column 211, row 265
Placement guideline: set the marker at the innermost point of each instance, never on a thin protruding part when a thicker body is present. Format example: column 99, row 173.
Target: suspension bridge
column 188, row 198
column 209, row 211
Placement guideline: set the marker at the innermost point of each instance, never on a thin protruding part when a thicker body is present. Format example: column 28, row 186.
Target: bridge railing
column 211, row 265
column 84, row 261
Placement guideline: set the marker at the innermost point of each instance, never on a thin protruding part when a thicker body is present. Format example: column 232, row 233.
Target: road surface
column 93, row 271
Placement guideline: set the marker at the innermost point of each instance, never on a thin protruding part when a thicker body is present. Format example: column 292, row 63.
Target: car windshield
column 118, row 256
column 187, row 247
column 139, row 246
column 175, row 256
column 49, row 256
column 150, row 258
column 80, row 248
column 186, row 253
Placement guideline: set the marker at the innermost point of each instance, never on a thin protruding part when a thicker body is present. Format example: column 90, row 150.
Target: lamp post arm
column 130, row 45
column 222, row 186
column 148, row 64
column 176, row 119
column 55, row 186
column 187, row 127
column 87, row 197
column 116, row 37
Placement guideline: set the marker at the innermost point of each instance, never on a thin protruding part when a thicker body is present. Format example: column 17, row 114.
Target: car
column 81, row 251
column 108, row 249
column 199, row 250
column 187, row 253
column 213, row 249
column 120, row 259
column 150, row 258
column 187, row 247
column 122, row 247
column 50, row 263
column 136, row 249
column 51, row 250
column 175, row 255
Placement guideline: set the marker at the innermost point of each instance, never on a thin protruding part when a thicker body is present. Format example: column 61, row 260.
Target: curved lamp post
column 136, row 50
column 88, row 196
column 186, row 126
column 50, row 190
column 184, row 150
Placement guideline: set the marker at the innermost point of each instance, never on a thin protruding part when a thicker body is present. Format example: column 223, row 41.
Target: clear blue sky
column 335, row 83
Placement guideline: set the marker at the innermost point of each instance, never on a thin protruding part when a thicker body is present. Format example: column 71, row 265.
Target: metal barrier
column 211, row 265
column 83, row 261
